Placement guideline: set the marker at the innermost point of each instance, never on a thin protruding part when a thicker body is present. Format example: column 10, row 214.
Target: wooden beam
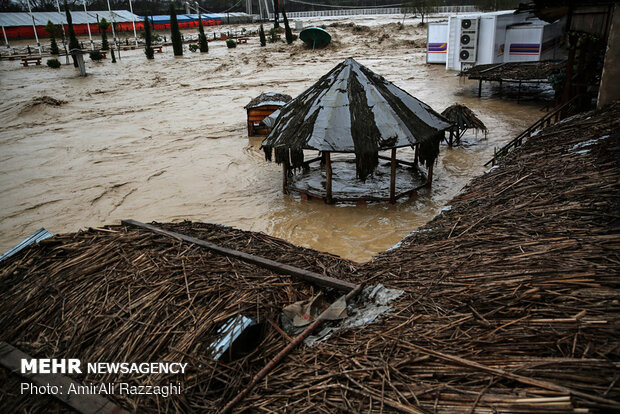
column 250, row 258
column 393, row 177
column 284, row 178
column 430, row 176
column 10, row 358
column 328, row 178
column 408, row 163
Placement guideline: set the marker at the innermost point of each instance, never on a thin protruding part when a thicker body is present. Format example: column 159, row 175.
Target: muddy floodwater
column 166, row 140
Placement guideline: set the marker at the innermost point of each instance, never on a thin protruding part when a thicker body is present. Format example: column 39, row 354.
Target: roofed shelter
column 353, row 110
column 261, row 107
column 462, row 119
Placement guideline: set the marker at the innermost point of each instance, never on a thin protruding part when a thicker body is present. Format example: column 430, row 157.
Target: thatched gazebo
column 462, row 119
column 261, row 107
column 352, row 110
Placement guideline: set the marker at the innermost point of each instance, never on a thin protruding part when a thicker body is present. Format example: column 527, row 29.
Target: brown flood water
column 166, row 140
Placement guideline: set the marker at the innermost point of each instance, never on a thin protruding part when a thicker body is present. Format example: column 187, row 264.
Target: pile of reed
column 511, row 301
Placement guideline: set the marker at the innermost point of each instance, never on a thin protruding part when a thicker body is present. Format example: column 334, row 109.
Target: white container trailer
column 485, row 32
column 533, row 42
column 437, row 42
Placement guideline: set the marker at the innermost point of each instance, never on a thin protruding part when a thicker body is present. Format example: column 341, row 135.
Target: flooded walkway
column 167, row 140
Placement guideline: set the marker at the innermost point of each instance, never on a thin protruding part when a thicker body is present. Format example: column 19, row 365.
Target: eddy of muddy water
column 166, row 140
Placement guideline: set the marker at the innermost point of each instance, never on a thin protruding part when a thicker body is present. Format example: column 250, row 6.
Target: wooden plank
column 10, row 358
column 328, row 177
column 393, row 177
column 250, row 258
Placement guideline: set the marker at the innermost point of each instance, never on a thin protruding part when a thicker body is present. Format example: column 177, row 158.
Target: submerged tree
column 421, row 7
column 148, row 49
column 73, row 42
column 52, row 29
column 202, row 38
column 175, row 33
column 261, row 34
column 287, row 29
column 104, row 25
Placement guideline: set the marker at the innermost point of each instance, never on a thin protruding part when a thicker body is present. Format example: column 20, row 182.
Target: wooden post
column 393, row 177
column 479, row 88
column 328, row 177
column 519, row 93
column 416, row 150
column 430, row 175
column 285, row 178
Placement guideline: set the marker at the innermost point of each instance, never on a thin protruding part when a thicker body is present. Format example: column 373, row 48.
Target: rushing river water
column 166, row 140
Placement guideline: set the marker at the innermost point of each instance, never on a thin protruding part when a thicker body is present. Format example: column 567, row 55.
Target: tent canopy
column 78, row 17
column 353, row 110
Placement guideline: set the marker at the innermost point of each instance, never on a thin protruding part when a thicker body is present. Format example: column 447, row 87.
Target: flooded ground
column 166, row 140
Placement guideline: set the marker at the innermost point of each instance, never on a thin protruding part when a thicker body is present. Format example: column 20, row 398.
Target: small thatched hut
column 462, row 119
column 262, row 106
column 353, row 110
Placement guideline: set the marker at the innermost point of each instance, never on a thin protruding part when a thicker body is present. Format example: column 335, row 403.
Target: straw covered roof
column 351, row 109
column 515, row 71
column 269, row 98
column 463, row 117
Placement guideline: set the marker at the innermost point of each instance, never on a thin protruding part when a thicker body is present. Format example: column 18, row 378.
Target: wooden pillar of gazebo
column 328, row 177
column 393, row 177
column 285, row 178
column 430, row 175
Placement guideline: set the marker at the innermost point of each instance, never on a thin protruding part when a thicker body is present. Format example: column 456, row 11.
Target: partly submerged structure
column 261, row 107
column 462, row 119
column 352, row 110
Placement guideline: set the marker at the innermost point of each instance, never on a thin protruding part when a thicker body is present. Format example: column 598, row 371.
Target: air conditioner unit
column 469, row 40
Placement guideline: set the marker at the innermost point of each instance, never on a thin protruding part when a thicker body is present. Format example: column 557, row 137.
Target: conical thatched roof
column 352, row 109
column 463, row 117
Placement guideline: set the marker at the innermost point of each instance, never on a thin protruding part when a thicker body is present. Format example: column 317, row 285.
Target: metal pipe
column 112, row 17
column 133, row 21
column 92, row 44
column 6, row 41
column 34, row 27
column 283, row 353
column 62, row 26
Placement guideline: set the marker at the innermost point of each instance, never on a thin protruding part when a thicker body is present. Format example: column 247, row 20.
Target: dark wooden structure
column 462, row 119
column 352, row 110
column 261, row 107
column 516, row 73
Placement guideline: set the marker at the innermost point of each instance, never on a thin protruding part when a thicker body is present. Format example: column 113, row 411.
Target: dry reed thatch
column 515, row 71
column 511, row 300
column 464, row 118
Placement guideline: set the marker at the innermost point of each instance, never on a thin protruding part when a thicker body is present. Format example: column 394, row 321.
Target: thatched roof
column 463, row 117
column 515, row 71
column 351, row 109
column 269, row 98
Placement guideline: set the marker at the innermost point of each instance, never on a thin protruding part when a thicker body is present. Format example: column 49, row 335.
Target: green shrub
column 53, row 63
column 231, row 43
column 193, row 47
column 95, row 55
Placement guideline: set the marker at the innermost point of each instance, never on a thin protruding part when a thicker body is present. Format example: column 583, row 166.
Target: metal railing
column 374, row 11
column 558, row 113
